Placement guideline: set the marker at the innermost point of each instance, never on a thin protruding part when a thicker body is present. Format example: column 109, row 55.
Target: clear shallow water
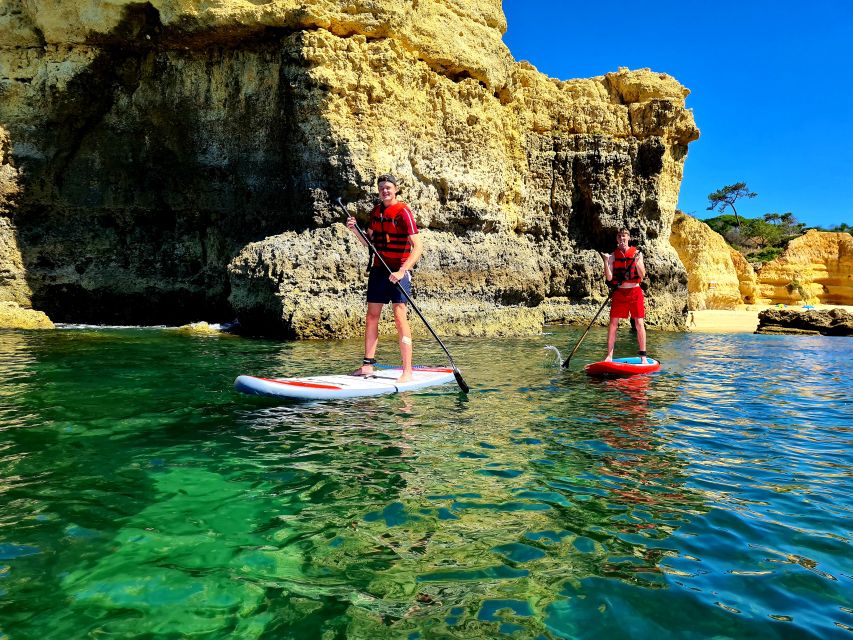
column 141, row 497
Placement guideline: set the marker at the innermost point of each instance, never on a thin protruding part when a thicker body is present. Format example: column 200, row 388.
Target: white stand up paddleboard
column 336, row 387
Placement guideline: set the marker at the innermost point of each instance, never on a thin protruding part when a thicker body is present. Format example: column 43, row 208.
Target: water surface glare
column 142, row 497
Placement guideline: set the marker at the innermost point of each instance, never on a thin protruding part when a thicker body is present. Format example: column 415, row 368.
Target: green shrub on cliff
column 766, row 255
column 760, row 240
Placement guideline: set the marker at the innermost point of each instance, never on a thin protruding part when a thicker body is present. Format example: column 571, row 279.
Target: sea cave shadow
column 154, row 165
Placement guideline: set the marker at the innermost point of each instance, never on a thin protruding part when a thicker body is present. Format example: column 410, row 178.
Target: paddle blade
column 462, row 384
column 566, row 362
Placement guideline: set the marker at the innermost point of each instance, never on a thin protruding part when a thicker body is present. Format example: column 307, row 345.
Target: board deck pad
column 341, row 386
column 622, row 367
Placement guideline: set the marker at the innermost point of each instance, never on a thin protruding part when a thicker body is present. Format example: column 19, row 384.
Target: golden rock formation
column 14, row 316
column 15, row 304
column 718, row 277
column 815, row 268
column 13, row 284
column 454, row 36
column 162, row 140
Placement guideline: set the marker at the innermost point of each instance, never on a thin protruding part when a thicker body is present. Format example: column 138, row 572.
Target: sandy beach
column 743, row 319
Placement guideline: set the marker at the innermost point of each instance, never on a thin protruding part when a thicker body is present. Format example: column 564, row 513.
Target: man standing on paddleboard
column 392, row 231
column 624, row 269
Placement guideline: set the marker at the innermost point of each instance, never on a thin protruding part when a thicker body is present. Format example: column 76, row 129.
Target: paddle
column 456, row 373
column 598, row 313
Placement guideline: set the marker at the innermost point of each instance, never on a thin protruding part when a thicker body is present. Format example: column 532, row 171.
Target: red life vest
column 624, row 267
column 391, row 229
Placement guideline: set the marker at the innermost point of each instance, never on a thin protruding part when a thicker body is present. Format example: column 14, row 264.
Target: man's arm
column 641, row 267
column 415, row 255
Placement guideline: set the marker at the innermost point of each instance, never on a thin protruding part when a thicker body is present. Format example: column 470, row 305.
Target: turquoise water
column 140, row 497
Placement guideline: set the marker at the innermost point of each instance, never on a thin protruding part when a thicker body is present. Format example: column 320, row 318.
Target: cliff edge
column 169, row 150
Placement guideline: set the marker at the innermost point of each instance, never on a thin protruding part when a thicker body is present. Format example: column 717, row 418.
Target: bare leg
column 641, row 337
column 371, row 336
column 611, row 338
column 404, row 335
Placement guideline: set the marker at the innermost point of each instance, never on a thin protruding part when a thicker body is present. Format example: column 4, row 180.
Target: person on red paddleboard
column 394, row 234
column 625, row 270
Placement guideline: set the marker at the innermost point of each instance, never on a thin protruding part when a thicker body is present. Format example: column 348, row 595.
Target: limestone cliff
column 160, row 139
column 15, row 304
column 815, row 268
column 718, row 277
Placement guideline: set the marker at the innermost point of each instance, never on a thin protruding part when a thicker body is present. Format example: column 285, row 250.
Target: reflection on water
column 143, row 498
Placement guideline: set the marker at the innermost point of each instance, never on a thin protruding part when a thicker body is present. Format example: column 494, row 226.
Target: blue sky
column 771, row 88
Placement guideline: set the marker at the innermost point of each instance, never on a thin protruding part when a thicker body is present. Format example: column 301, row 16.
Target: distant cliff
column 815, row 268
column 718, row 277
column 159, row 143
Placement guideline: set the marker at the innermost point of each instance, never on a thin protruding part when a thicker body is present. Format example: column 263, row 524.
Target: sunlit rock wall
column 157, row 140
column 15, row 304
column 815, row 268
column 718, row 277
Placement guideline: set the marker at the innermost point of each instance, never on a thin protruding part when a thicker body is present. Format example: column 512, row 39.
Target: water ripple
column 709, row 500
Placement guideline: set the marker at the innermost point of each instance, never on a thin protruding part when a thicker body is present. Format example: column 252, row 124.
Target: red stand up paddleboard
column 622, row 367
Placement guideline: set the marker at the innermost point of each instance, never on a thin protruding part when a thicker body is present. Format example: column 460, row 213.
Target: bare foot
column 363, row 370
column 643, row 360
column 609, row 359
column 406, row 377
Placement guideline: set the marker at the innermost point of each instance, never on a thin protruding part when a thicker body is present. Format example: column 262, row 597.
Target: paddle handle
column 456, row 373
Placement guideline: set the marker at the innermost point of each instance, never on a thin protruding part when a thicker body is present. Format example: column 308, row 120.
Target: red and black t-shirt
column 391, row 228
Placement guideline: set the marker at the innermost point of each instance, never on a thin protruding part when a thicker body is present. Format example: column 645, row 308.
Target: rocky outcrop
column 815, row 268
column 13, row 286
column 14, row 316
column 9, row 188
column 162, row 141
column 15, row 303
column 311, row 285
column 13, row 283
column 826, row 322
column 718, row 277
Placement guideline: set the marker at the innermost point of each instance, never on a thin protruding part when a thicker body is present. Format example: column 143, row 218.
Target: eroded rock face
column 14, row 316
column 13, row 282
column 815, row 268
column 9, row 187
column 160, row 139
column 827, row 322
column 718, row 277
column 14, row 289
column 311, row 285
